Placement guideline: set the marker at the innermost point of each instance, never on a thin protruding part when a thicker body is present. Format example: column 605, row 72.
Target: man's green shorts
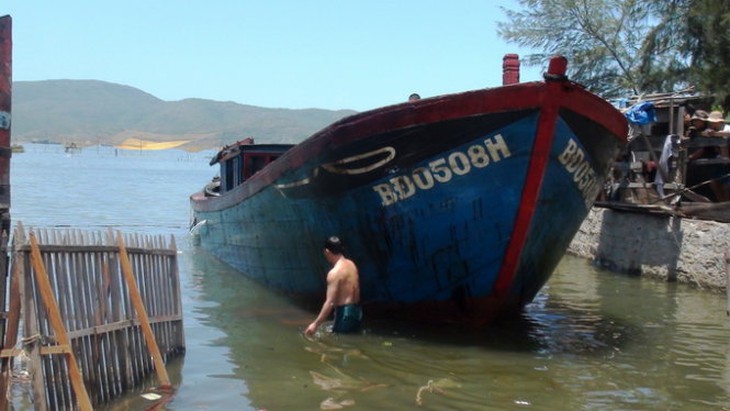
column 347, row 318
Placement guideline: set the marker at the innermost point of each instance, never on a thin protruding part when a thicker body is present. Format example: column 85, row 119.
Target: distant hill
column 89, row 112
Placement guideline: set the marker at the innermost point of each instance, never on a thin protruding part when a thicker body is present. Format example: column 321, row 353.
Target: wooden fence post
column 11, row 335
column 54, row 317
column 142, row 314
column 100, row 312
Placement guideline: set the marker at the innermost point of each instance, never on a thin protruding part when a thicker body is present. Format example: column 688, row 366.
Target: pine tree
column 621, row 47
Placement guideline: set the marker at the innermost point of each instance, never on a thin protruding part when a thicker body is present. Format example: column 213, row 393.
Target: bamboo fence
column 101, row 312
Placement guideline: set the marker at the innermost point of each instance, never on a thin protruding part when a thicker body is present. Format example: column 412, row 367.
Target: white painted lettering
column 442, row 170
column 386, row 194
column 575, row 161
column 403, row 187
column 478, row 156
column 573, row 158
column 580, row 173
column 459, row 163
column 423, row 178
column 497, row 146
column 564, row 158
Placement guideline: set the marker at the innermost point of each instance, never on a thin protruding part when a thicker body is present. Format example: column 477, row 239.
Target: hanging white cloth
column 663, row 166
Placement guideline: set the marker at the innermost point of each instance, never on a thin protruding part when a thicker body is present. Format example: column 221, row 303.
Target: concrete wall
column 668, row 248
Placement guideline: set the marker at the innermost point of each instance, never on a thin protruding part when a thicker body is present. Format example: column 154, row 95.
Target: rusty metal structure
column 6, row 81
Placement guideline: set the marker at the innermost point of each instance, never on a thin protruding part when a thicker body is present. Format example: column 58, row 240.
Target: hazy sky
column 334, row 54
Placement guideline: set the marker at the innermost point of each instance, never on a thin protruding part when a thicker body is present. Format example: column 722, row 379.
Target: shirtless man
column 343, row 291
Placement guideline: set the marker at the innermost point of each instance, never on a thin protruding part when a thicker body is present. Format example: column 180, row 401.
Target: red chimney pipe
column 510, row 69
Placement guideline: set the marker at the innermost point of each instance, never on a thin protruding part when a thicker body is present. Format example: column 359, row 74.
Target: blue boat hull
column 448, row 220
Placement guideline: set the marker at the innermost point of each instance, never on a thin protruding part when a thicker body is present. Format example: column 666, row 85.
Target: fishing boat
column 456, row 208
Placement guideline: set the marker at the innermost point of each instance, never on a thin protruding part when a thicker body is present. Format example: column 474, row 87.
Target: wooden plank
column 30, row 322
column 123, row 340
column 59, row 281
column 90, row 289
column 84, row 313
column 56, row 349
column 710, row 161
column 5, row 279
column 54, row 248
column 119, row 325
column 101, row 355
column 49, row 301
column 705, row 142
column 142, row 313
column 11, row 328
column 177, row 293
column 11, row 352
column 166, row 293
column 54, row 382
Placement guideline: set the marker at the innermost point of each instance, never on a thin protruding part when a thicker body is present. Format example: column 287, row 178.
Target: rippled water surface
column 591, row 340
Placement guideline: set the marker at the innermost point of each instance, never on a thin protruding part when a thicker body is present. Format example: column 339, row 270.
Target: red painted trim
column 426, row 111
column 591, row 107
column 531, row 191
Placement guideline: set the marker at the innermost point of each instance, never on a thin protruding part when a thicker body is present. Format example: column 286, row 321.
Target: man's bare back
column 343, row 289
column 346, row 278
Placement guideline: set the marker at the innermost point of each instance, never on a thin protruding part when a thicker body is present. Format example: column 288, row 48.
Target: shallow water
column 591, row 340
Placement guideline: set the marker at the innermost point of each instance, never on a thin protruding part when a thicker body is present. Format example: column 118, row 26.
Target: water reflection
column 591, row 340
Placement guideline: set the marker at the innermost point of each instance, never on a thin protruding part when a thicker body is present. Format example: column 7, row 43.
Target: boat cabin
column 241, row 160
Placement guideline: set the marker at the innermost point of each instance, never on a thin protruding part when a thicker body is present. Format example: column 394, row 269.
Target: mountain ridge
column 90, row 112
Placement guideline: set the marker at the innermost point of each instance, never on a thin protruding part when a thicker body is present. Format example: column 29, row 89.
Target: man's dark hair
column 334, row 244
